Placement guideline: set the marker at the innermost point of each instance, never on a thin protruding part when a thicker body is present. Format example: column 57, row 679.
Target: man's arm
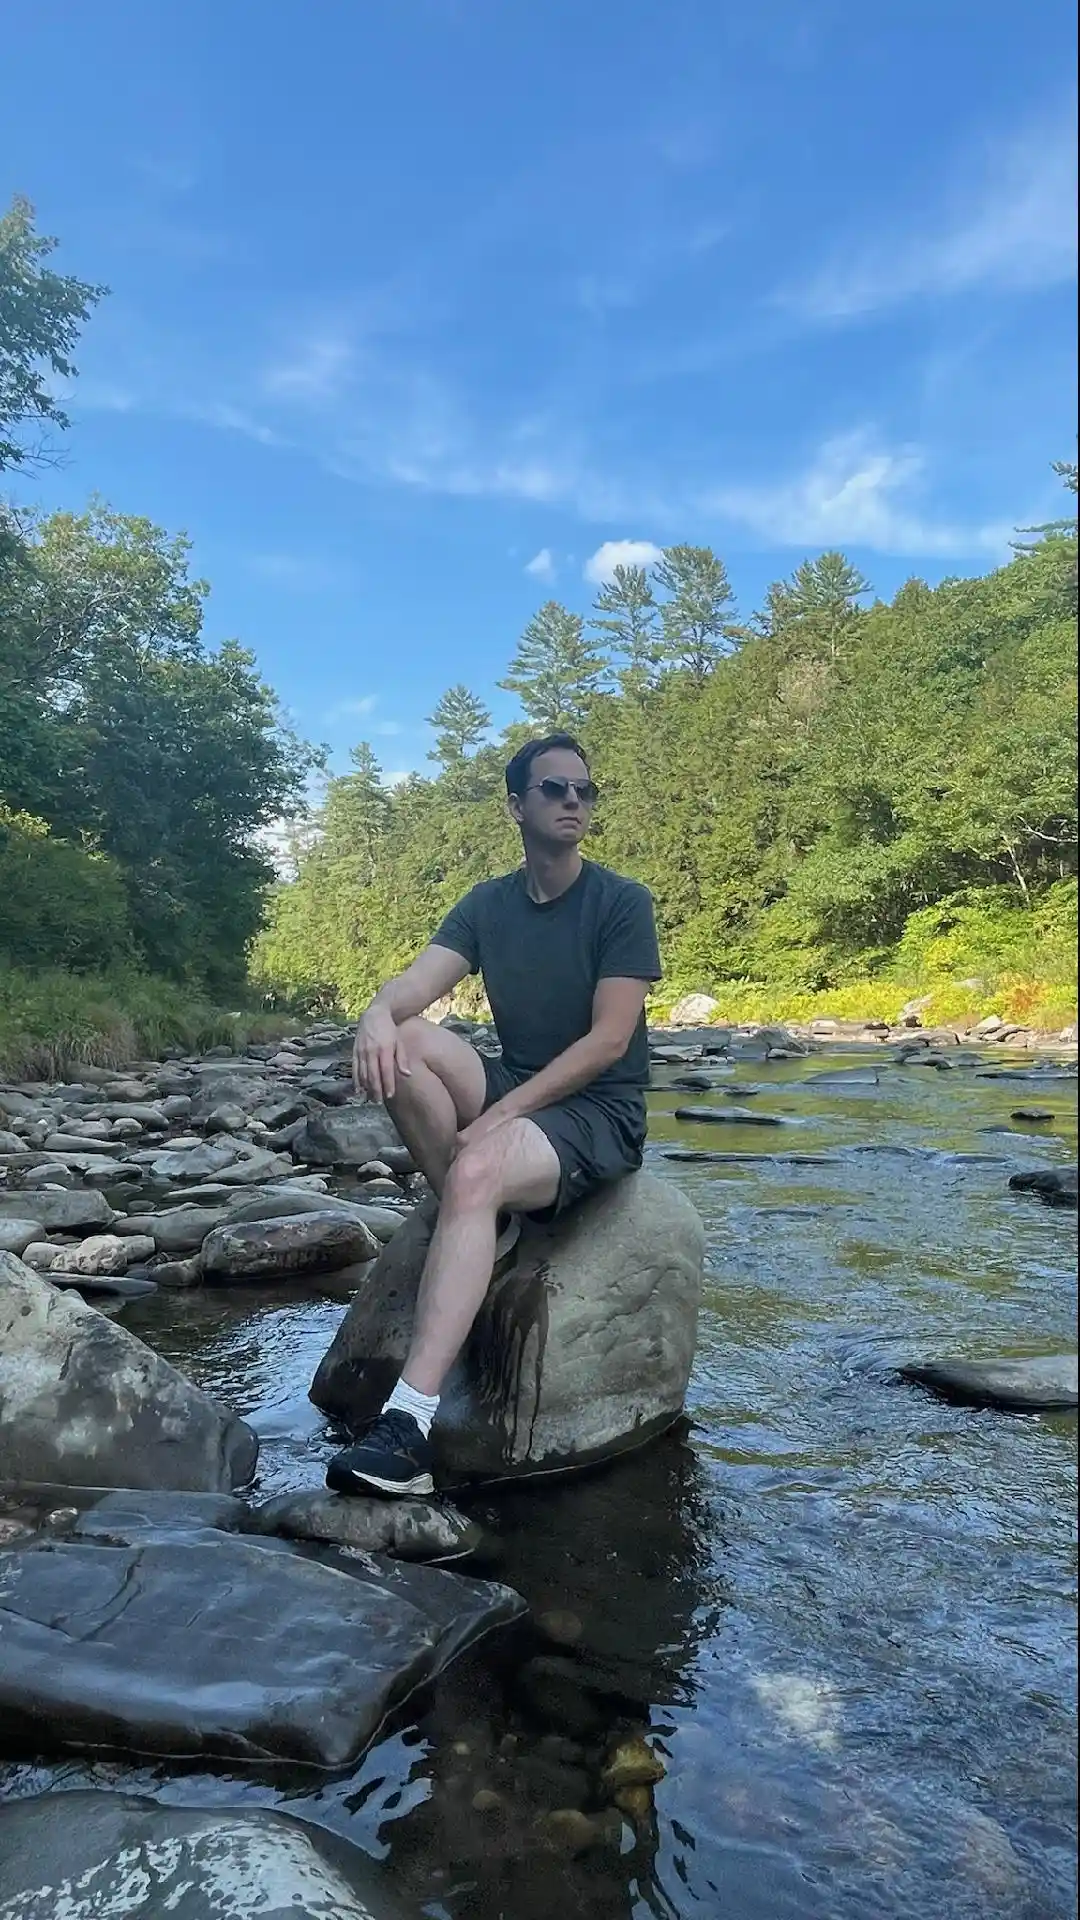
column 616, row 1010
column 380, row 1053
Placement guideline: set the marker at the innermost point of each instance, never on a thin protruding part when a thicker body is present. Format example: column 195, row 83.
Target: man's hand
column 379, row 1055
column 489, row 1122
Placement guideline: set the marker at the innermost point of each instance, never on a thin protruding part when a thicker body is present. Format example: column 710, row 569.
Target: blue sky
column 416, row 310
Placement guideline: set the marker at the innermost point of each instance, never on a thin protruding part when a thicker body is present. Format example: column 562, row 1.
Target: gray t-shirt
column 541, row 960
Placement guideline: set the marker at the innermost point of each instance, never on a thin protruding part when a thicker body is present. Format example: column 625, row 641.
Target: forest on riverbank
column 837, row 802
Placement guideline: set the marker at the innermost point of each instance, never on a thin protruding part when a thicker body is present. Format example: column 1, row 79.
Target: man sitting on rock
column 566, row 950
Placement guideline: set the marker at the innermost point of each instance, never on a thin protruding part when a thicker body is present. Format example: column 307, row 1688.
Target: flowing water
column 844, row 1611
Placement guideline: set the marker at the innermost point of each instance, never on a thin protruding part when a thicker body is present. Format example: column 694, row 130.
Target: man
column 566, row 950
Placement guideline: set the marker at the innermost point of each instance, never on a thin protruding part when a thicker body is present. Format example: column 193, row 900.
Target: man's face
column 555, row 807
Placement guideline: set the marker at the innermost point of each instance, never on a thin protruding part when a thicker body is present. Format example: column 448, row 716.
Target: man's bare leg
column 443, row 1091
column 515, row 1167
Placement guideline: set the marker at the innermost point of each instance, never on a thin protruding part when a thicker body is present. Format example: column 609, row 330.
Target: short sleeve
column 460, row 933
column 628, row 944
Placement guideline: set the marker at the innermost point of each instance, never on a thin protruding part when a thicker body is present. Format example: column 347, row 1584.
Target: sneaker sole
column 353, row 1482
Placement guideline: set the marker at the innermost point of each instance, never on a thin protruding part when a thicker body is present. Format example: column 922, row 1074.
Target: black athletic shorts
column 598, row 1137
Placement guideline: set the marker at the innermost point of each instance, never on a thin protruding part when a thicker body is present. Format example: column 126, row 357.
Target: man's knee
column 474, row 1181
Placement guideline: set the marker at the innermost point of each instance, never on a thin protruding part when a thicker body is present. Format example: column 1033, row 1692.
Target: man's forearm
column 566, row 1074
column 401, row 998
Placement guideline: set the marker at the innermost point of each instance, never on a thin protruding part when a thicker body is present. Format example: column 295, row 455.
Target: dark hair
column 519, row 768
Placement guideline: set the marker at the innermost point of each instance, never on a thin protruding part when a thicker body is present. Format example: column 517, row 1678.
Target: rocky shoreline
column 126, row 1509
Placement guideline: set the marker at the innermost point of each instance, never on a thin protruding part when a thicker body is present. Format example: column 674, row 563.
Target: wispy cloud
column 855, row 493
column 313, row 369
column 297, row 572
column 601, row 565
column 1016, row 231
column 351, row 709
column 542, row 565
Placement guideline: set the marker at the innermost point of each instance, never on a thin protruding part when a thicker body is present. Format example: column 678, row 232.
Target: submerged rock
column 732, row 1116
column 581, row 1350
column 292, row 1659
column 1016, row 1386
column 82, row 1400
column 85, row 1855
column 1055, row 1185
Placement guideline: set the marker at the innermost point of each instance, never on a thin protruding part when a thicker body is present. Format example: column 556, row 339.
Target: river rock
column 693, row 1010
column 281, row 1202
column 292, row 1659
column 83, row 1856
column 16, row 1235
column 407, row 1529
column 194, row 1163
column 302, row 1243
column 1016, row 1386
column 183, row 1229
column 11, row 1142
column 103, row 1253
column 345, row 1136
column 581, row 1350
column 255, row 1165
column 60, row 1211
column 150, row 1118
column 1055, row 1185
column 734, row 1116
column 84, row 1401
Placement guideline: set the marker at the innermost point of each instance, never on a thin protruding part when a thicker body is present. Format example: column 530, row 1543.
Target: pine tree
column 556, row 669
column 698, row 617
column 460, row 721
column 629, row 618
column 822, row 598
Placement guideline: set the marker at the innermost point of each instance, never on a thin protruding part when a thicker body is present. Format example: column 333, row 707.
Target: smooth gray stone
column 121, row 1286
column 121, row 1515
column 291, row 1658
column 1015, row 1386
column 83, row 1400
column 269, row 1249
column 16, row 1235
column 110, row 1856
column 730, row 1116
column 183, row 1229
column 60, row 1212
column 345, row 1136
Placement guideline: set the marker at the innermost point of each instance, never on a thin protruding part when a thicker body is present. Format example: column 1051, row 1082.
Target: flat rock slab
column 227, row 1648
column 1016, row 1386
column 1055, row 1185
column 1031, row 1113
column 124, row 1515
column 733, row 1159
column 730, row 1116
column 84, row 1856
column 317, row 1242
column 407, row 1529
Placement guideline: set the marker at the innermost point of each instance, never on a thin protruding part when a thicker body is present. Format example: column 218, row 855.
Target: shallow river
column 845, row 1611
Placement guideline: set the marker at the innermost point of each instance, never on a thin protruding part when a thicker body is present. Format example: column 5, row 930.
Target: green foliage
column 627, row 616
column 556, row 670
column 41, row 313
column 460, row 721
column 62, row 906
column 698, row 617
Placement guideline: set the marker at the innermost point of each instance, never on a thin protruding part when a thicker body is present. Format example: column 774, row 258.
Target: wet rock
column 183, row 1229
column 83, row 1855
column 1055, row 1185
column 345, row 1136
column 281, row 1111
column 103, row 1288
column 1031, row 1114
column 567, row 1829
column 254, row 1166
column 553, row 1690
column 631, row 1762
column 731, row 1116
column 123, row 1517
column 16, row 1235
column 194, row 1163
column 292, row 1658
column 1015, row 1386
column 407, row 1529
column 560, row 1626
column 84, row 1401
column 581, row 1350
column 304, row 1243
column 179, row 1274
column 60, row 1211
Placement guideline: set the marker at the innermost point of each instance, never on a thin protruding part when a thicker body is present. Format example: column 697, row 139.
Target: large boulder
column 581, row 1350
column 208, row 1645
column 82, row 1400
column 85, row 1855
column 347, row 1136
column 59, row 1211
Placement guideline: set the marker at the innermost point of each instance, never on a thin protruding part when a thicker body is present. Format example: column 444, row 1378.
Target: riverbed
column 844, row 1611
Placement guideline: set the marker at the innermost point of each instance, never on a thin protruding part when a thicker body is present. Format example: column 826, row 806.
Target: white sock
column 422, row 1406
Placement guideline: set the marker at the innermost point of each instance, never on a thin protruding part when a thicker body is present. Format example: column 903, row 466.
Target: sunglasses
column 587, row 791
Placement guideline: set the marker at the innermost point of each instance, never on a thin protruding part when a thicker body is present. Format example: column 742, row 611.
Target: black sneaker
column 393, row 1458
